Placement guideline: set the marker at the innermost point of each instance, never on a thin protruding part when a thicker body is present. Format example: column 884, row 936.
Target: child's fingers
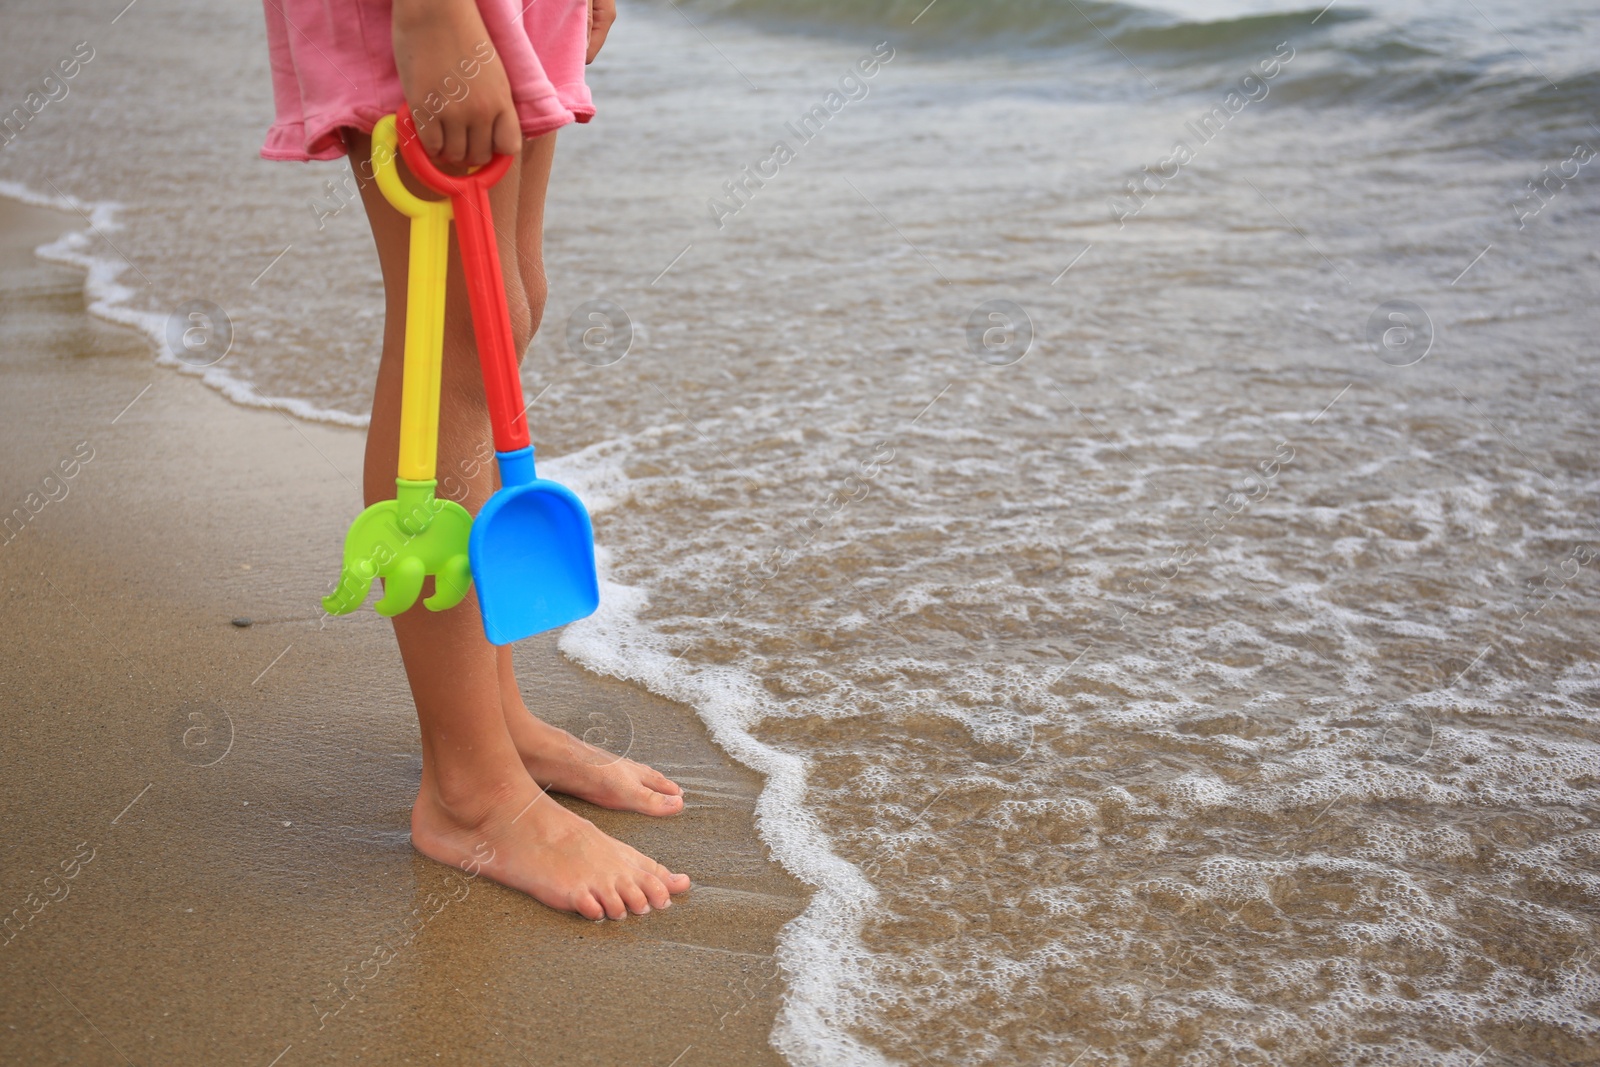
column 454, row 149
column 475, row 140
column 431, row 134
column 480, row 143
column 489, row 135
column 602, row 13
column 507, row 133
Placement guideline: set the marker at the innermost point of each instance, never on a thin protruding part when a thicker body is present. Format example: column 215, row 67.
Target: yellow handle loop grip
column 425, row 286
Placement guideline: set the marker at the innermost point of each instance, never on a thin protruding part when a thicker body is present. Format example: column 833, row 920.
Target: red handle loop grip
column 486, row 290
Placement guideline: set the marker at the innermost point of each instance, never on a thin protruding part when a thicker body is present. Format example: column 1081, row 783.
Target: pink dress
column 333, row 65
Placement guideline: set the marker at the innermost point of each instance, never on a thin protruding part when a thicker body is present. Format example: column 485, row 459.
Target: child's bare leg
column 477, row 803
column 556, row 759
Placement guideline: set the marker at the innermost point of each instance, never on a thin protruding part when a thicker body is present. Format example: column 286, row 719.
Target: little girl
column 495, row 76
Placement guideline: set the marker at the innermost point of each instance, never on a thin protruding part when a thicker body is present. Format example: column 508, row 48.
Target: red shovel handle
column 486, row 290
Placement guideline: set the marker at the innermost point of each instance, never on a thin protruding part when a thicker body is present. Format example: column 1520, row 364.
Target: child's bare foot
column 521, row 838
column 557, row 760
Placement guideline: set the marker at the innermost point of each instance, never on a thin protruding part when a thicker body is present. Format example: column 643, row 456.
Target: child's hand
column 602, row 13
column 454, row 82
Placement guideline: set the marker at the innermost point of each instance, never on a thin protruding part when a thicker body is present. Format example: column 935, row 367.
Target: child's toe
column 634, row 898
column 661, row 783
column 587, row 906
column 655, row 891
column 654, row 802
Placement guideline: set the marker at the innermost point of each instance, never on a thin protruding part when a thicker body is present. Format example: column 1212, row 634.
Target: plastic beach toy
column 414, row 535
column 532, row 546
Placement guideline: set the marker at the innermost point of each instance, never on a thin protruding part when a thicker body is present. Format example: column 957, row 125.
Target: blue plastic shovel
column 532, row 547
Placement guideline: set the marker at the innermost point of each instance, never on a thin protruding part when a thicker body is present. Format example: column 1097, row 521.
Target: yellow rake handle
column 425, row 286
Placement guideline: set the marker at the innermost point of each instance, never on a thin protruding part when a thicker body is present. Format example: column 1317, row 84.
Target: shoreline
column 105, row 297
column 257, row 880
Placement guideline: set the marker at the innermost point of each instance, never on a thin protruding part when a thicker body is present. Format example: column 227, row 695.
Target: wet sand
column 221, row 811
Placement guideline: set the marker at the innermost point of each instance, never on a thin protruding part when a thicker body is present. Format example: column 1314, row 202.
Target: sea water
column 1126, row 474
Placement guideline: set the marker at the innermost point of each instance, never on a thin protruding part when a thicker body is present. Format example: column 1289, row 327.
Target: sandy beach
column 206, row 824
